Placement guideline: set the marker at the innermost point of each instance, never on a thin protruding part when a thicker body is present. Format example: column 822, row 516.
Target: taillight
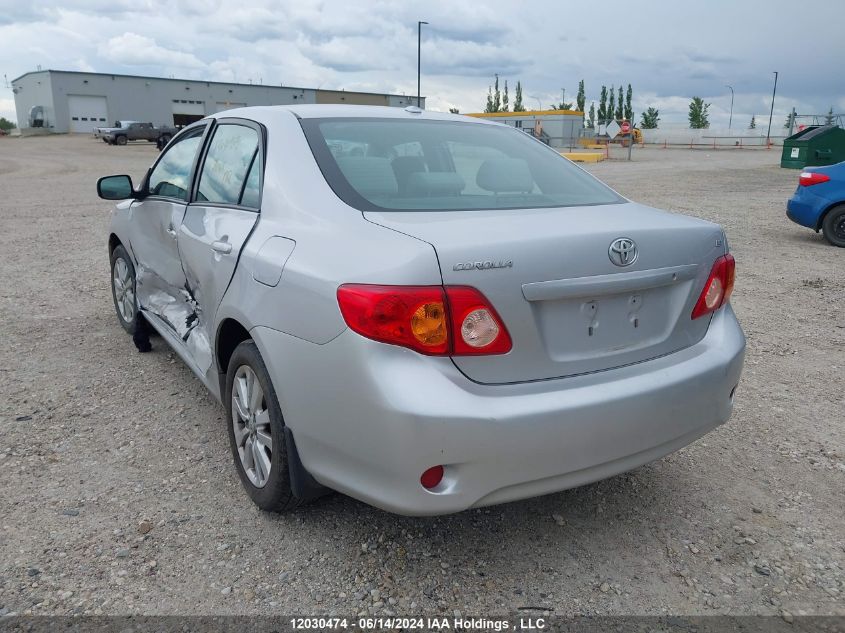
column 476, row 328
column 411, row 316
column 431, row 320
column 809, row 178
column 718, row 288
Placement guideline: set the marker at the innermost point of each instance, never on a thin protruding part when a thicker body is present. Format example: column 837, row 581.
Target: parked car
column 136, row 131
column 452, row 317
column 819, row 202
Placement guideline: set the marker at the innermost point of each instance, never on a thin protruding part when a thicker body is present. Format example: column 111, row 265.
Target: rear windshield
column 424, row 165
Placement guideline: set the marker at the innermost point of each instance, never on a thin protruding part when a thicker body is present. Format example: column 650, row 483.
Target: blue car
column 819, row 202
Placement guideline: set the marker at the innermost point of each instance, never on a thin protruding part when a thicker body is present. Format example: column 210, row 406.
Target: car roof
column 265, row 114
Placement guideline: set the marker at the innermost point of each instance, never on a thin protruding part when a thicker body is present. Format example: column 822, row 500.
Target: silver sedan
column 424, row 311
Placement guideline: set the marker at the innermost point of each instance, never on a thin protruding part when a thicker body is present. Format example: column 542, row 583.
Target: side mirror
column 115, row 188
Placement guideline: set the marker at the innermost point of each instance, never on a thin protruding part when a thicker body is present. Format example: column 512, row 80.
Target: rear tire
column 257, row 431
column 833, row 226
column 120, row 140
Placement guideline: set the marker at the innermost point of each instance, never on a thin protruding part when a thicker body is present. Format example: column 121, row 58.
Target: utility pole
column 772, row 111
column 562, row 97
column 731, row 118
column 419, row 49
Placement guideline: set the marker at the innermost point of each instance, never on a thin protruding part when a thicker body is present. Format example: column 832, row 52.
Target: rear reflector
column 433, row 320
column 432, row 477
column 809, row 178
column 718, row 288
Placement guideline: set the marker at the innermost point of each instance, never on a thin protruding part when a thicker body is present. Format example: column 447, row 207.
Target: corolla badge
column 485, row 265
column 623, row 251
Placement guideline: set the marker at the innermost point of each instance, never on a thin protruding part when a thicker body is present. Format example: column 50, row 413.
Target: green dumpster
column 814, row 145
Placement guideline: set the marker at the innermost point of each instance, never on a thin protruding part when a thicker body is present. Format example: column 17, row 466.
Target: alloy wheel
column 251, row 423
column 124, row 289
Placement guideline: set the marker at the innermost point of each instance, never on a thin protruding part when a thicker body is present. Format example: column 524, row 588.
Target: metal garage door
column 87, row 112
column 228, row 105
column 186, row 111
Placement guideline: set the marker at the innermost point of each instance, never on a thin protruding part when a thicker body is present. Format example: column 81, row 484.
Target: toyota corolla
column 423, row 311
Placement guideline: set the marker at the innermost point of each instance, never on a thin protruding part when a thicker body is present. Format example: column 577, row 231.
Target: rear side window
column 231, row 154
column 428, row 165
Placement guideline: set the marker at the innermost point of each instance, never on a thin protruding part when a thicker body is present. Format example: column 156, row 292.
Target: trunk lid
column 548, row 273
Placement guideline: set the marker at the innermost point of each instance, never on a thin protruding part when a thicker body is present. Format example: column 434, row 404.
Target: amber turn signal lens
column 428, row 324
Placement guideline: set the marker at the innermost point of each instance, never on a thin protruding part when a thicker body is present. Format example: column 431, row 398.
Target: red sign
column 626, row 127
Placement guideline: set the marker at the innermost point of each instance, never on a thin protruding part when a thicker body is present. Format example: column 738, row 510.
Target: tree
column 489, row 106
column 505, row 98
column 698, row 119
column 581, row 98
column 517, row 102
column 497, row 96
column 563, row 105
column 629, row 108
column 602, row 113
column 753, row 123
column 591, row 120
column 829, row 119
column 454, row 111
column 6, row 124
column 650, row 119
column 619, row 105
column 611, row 106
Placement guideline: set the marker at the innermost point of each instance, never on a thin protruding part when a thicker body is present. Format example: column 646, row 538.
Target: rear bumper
column 370, row 418
column 804, row 208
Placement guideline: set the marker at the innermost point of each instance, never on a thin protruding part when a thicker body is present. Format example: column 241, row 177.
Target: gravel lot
column 119, row 495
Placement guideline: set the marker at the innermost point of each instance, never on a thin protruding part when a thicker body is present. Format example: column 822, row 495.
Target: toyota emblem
column 623, row 251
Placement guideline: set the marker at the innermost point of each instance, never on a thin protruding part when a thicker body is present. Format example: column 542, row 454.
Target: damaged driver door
column 218, row 222
column 154, row 221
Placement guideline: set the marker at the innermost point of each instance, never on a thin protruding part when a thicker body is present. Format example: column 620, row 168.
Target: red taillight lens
column 432, row 477
column 429, row 319
column 809, row 178
column 411, row 316
column 718, row 288
column 476, row 328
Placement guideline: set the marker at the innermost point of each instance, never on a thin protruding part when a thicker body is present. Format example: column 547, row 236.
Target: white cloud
column 668, row 50
column 132, row 49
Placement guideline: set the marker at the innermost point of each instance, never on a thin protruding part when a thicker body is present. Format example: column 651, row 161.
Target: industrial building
column 70, row 101
column 557, row 128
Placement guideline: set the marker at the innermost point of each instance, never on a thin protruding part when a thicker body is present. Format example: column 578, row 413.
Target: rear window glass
column 397, row 165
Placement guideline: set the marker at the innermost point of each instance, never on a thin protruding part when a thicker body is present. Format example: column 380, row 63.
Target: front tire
column 833, row 226
column 120, row 140
column 123, row 289
column 256, row 431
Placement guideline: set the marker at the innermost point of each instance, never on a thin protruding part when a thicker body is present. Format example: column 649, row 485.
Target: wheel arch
column 230, row 334
column 828, row 209
column 114, row 242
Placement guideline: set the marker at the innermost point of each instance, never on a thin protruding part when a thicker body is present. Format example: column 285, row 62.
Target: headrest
column 369, row 175
column 505, row 175
column 435, row 183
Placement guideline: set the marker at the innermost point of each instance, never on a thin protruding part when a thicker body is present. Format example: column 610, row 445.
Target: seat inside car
column 403, row 168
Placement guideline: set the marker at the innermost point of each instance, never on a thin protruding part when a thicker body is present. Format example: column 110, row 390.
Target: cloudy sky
column 669, row 50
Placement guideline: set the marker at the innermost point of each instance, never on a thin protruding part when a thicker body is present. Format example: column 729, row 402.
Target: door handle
column 222, row 247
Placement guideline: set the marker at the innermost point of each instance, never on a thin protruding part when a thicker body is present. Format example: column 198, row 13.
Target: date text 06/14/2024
column 418, row 623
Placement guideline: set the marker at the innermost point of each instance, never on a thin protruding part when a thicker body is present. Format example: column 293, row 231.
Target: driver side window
column 171, row 177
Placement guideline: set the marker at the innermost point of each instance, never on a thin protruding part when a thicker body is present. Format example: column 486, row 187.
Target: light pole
column 419, row 47
column 772, row 111
column 731, row 118
column 562, row 96
column 539, row 103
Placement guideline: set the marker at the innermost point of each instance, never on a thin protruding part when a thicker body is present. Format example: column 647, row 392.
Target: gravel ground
column 120, row 496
